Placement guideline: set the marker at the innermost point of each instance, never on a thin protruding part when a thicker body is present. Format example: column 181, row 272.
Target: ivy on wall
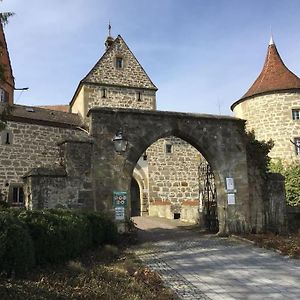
column 257, row 152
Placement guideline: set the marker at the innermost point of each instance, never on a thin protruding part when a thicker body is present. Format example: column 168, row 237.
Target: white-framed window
column 297, row 145
column 119, row 63
column 6, row 137
column 296, row 114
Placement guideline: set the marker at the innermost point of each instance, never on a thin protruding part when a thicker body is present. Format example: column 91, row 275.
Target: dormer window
column 119, row 63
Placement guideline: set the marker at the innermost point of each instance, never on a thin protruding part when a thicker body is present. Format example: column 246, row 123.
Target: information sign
column 119, row 199
column 119, row 213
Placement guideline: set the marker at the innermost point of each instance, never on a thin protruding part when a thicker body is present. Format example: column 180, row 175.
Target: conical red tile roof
column 275, row 76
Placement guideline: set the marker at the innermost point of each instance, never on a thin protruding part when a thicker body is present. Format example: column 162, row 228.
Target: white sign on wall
column 230, row 199
column 229, row 184
column 119, row 213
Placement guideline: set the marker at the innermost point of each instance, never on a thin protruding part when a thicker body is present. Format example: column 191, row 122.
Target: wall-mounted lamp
column 120, row 143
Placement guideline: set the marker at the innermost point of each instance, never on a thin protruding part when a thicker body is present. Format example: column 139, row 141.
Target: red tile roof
column 64, row 108
column 275, row 76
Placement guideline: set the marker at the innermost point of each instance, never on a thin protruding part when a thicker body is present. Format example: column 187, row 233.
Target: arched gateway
column 220, row 139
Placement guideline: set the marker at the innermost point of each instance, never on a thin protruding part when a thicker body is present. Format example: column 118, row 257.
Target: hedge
column 29, row 238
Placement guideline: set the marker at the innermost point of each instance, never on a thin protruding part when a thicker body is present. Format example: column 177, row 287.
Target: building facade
column 166, row 177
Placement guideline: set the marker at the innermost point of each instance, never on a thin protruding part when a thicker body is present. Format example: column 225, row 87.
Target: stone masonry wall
column 271, row 118
column 173, row 177
column 32, row 146
column 120, row 97
column 131, row 74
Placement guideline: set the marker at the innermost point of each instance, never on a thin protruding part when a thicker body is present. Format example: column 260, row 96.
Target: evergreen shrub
column 16, row 246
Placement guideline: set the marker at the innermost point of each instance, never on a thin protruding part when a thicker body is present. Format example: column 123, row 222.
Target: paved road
column 199, row 266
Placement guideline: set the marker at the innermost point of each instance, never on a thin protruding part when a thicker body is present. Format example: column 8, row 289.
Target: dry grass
column 286, row 244
column 102, row 274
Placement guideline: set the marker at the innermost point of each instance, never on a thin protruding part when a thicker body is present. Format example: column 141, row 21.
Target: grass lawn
column 107, row 273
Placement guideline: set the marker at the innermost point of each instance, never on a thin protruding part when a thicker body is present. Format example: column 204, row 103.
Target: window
column 296, row 114
column 6, row 137
column 168, row 148
column 104, row 93
column 3, row 95
column 297, row 145
column 16, row 194
column 145, row 157
column 139, row 96
column 119, row 62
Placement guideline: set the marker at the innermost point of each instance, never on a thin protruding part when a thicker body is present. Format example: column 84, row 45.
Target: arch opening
column 173, row 184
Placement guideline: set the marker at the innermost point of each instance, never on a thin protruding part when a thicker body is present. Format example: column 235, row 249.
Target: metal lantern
column 120, row 143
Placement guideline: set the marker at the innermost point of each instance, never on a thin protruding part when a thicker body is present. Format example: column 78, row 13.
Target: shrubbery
column 291, row 172
column 49, row 236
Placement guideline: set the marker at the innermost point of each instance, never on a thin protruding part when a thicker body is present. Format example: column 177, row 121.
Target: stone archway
column 220, row 139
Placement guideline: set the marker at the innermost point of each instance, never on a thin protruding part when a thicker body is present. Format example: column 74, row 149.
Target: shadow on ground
column 152, row 229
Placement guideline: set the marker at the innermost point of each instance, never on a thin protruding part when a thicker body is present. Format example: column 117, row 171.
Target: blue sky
column 202, row 54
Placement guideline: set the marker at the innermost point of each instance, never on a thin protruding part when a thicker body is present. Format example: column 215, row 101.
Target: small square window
column 296, row 114
column 119, row 62
column 297, row 145
column 168, row 148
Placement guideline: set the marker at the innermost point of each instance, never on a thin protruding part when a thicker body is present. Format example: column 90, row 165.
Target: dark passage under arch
column 135, row 198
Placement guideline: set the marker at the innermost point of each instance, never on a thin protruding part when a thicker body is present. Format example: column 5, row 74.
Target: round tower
column 271, row 107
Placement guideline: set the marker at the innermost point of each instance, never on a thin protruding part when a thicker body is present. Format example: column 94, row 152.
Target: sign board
column 230, row 199
column 119, row 199
column 229, row 184
column 120, row 213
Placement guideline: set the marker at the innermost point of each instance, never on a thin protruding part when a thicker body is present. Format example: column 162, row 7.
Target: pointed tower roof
column 275, row 76
column 8, row 82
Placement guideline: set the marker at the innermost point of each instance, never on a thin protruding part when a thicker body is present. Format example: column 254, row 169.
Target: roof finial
column 109, row 28
column 271, row 39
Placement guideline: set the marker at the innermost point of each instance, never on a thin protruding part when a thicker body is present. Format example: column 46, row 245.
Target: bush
column 49, row 236
column 57, row 235
column 16, row 246
column 292, row 180
column 103, row 229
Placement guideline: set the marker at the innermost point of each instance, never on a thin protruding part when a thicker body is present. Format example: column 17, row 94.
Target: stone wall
column 271, row 118
column 130, row 74
column 120, row 97
column 32, row 146
column 173, row 177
